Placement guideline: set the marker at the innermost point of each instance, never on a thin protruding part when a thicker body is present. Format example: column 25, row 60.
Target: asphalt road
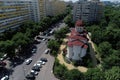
column 46, row 71
column 21, row 70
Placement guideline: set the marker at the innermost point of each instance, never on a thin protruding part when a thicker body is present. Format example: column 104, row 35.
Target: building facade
column 13, row 13
column 77, row 42
column 88, row 11
column 34, row 10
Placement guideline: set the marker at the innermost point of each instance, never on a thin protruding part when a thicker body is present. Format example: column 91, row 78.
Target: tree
column 8, row 47
column 21, row 41
column 53, row 45
column 58, row 35
column 94, row 74
column 118, row 45
column 74, row 74
column 61, row 33
column 68, row 20
column 105, row 49
column 60, row 70
column 111, row 60
column 113, row 74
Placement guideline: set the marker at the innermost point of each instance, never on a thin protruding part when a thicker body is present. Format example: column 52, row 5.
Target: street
column 20, row 71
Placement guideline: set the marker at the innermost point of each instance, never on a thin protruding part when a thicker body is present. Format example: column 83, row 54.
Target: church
column 77, row 42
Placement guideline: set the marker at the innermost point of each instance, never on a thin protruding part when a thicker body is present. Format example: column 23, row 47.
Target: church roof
column 77, row 43
column 77, row 35
column 79, row 23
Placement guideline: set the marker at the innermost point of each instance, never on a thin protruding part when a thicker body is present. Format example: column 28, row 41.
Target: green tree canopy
column 105, row 49
column 94, row 74
column 111, row 60
column 74, row 74
column 53, row 45
column 7, row 47
column 113, row 74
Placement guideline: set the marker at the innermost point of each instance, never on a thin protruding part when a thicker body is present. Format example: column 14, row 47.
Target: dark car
column 38, row 37
column 44, row 59
column 30, row 77
column 2, row 64
column 36, row 68
column 36, row 42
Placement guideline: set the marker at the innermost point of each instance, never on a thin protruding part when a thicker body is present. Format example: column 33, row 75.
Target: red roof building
column 77, row 42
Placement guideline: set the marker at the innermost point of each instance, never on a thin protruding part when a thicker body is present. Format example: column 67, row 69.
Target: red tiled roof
column 85, row 46
column 77, row 37
column 79, row 23
column 69, row 44
column 77, row 43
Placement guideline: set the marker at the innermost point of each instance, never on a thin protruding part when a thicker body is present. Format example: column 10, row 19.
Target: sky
column 100, row 0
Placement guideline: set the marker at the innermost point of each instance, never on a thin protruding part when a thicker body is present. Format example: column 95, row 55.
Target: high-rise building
column 42, row 8
column 13, row 13
column 88, row 11
column 34, row 10
column 58, row 7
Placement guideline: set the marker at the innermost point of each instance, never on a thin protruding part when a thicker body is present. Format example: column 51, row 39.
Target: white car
column 38, row 65
column 43, row 39
column 28, row 61
column 40, row 62
column 33, row 72
column 43, row 63
column 5, row 78
column 46, row 51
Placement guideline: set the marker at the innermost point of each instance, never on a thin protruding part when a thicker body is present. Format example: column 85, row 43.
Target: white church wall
column 83, row 52
column 76, row 51
column 69, row 52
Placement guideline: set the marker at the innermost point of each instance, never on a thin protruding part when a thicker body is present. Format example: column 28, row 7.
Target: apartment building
column 34, row 10
column 88, row 11
column 13, row 13
column 57, row 7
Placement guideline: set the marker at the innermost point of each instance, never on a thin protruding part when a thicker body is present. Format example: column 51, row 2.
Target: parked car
column 39, row 61
column 34, row 50
column 36, row 68
column 6, row 77
column 37, row 41
column 38, row 37
column 46, row 51
column 4, row 57
column 28, row 61
column 33, row 72
column 43, row 39
column 30, row 77
column 2, row 64
column 43, row 62
column 38, row 65
column 44, row 59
